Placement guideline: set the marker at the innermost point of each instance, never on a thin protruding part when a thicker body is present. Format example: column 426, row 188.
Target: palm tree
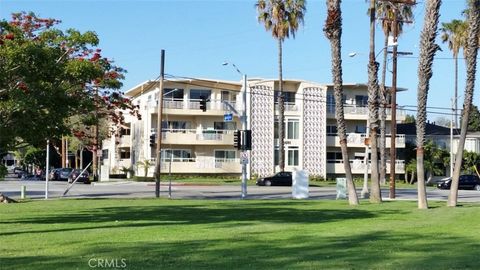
column 428, row 48
column 333, row 31
column 385, row 11
column 454, row 33
column 146, row 165
column 376, row 196
column 471, row 59
column 282, row 18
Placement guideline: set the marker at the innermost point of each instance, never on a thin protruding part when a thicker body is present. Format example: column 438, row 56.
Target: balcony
column 361, row 112
column 335, row 166
column 196, row 137
column 199, row 165
column 358, row 140
column 188, row 107
column 289, row 107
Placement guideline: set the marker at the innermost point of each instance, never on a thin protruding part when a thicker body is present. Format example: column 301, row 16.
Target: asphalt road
column 126, row 189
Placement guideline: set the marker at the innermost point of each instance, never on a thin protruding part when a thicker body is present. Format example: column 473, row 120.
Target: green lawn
column 233, row 234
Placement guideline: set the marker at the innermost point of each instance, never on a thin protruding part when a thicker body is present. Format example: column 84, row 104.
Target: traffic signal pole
column 244, row 158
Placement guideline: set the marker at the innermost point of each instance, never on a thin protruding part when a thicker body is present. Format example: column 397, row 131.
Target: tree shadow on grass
column 304, row 250
column 181, row 213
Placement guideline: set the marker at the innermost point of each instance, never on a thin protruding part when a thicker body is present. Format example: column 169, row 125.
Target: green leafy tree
column 470, row 162
column 474, row 119
column 282, row 18
column 48, row 75
column 409, row 119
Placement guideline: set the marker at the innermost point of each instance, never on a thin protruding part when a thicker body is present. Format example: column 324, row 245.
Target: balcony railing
column 359, row 164
column 359, row 139
column 289, row 107
column 361, row 110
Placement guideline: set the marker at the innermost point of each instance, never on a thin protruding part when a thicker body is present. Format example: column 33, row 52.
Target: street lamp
column 244, row 127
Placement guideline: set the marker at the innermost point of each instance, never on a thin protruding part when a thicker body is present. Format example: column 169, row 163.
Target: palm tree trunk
column 281, row 111
column 383, row 115
column 376, row 196
column 428, row 48
column 333, row 31
column 471, row 58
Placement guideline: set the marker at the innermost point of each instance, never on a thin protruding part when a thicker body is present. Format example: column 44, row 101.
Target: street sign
column 228, row 117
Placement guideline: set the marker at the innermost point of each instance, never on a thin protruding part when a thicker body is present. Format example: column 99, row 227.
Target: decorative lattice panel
column 314, row 131
column 261, row 123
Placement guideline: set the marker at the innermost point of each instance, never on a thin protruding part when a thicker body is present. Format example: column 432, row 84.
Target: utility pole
column 244, row 128
column 393, row 125
column 159, row 124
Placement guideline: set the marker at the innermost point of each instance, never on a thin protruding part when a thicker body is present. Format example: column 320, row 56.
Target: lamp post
column 243, row 119
column 47, row 164
column 454, row 115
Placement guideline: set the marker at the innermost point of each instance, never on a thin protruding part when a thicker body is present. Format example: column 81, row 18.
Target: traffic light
column 237, row 139
column 152, row 140
column 203, row 103
column 247, row 140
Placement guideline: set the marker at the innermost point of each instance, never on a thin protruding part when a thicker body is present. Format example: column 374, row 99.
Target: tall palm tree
column 376, row 196
column 454, row 34
column 471, row 59
column 333, row 31
column 385, row 11
column 428, row 48
column 282, row 18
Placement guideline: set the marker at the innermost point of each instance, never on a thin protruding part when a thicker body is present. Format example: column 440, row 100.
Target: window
column 177, row 126
column 293, row 126
column 198, row 93
column 225, row 154
column 225, row 125
column 334, row 156
column 287, row 97
column 172, row 94
column 360, row 129
column 332, row 130
column 276, row 158
column 105, row 153
column 124, row 153
column 292, row 154
column 177, row 155
column 275, row 129
column 361, row 100
column 124, row 131
column 225, row 95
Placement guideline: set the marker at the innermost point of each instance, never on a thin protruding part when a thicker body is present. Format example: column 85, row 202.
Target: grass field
column 250, row 234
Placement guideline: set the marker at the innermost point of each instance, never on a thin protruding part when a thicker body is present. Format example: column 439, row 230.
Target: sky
column 198, row 36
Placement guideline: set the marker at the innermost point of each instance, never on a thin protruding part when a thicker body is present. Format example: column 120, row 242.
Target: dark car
column 84, row 177
column 465, row 182
column 279, row 179
column 62, row 174
column 53, row 174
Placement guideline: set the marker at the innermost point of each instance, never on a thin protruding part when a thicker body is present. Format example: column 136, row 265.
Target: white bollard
column 23, row 191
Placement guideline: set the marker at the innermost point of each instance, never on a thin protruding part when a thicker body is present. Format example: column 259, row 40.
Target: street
column 128, row 189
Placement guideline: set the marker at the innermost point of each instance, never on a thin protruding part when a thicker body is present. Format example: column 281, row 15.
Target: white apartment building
column 197, row 142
